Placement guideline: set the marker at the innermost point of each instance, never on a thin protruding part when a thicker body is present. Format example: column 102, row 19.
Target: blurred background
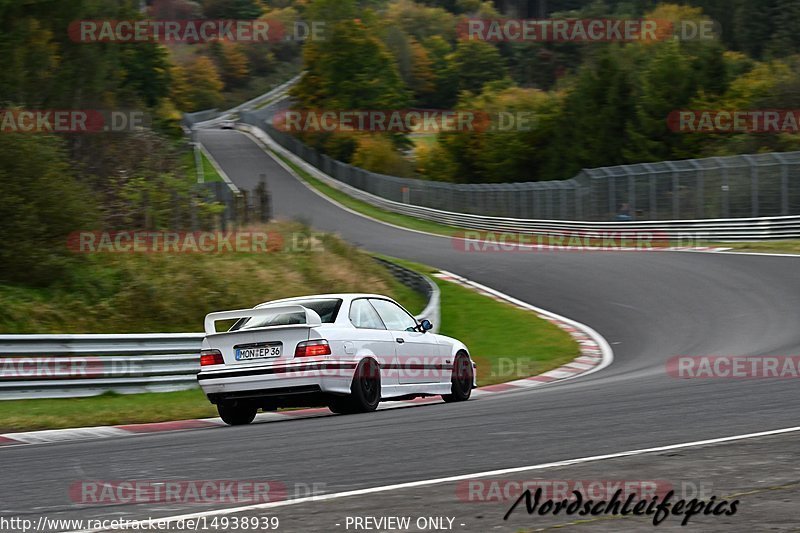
column 595, row 104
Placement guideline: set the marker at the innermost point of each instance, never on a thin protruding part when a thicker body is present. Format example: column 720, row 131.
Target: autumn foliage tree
column 197, row 85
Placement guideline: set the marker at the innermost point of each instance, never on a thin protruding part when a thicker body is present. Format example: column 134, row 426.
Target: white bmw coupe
column 344, row 351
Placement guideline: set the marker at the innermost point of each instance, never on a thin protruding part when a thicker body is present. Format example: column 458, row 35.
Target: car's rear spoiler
column 311, row 317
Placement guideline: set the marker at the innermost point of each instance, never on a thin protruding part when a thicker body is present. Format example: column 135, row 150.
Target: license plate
column 261, row 352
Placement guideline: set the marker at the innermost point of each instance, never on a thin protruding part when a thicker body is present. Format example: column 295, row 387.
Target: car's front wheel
column 236, row 415
column 462, row 380
column 365, row 391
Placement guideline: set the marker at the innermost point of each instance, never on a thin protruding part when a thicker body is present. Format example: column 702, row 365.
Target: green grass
column 423, row 139
column 786, row 247
column 106, row 295
column 108, row 409
column 505, row 341
column 210, row 173
column 172, row 292
column 778, row 247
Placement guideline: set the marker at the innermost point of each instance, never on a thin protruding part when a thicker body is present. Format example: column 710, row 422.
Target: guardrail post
column 726, row 193
column 676, row 200
column 264, row 200
column 612, row 197
column 653, row 198
column 753, row 186
column 784, row 189
column 631, row 193
column 701, row 186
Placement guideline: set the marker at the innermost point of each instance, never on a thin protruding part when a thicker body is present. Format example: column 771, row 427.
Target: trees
column 197, row 85
column 351, row 69
column 44, row 203
column 422, row 78
column 378, row 154
column 476, row 63
column 665, row 83
column 42, row 66
column 233, row 64
column 232, row 9
column 590, row 128
column 445, row 88
column 510, row 141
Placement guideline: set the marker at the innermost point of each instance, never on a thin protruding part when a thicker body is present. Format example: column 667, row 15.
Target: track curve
column 649, row 306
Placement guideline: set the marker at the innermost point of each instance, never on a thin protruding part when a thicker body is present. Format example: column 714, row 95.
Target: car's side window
column 394, row 316
column 364, row 316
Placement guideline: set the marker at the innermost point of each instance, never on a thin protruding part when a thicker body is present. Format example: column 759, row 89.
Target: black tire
column 463, row 377
column 236, row 415
column 365, row 391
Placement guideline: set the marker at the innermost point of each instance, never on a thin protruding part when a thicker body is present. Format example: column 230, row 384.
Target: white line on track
column 218, row 168
column 452, row 479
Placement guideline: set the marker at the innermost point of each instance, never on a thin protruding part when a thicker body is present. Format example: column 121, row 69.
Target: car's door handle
column 400, row 340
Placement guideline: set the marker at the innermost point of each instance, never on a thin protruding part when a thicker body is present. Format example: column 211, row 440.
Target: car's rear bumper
column 278, row 382
column 301, row 396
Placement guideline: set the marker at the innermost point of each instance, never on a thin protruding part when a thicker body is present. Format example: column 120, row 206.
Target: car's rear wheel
column 462, row 380
column 236, row 415
column 365, row 391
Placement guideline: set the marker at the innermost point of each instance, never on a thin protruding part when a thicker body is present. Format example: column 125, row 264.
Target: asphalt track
column 649, row 306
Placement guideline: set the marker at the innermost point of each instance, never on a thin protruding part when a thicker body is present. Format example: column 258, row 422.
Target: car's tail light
column 312, row 348
column 211, row 357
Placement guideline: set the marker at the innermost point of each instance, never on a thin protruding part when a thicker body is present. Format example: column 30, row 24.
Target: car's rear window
column 326, row 308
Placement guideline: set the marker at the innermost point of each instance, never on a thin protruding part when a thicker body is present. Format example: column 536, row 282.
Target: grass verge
column 210, row 173
column 369, row 210
column 507, row 343
column 776, row 247
column 786, row 247
column 105, row 410
column 172, row 292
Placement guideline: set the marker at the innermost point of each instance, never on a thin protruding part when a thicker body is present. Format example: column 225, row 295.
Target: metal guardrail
column 421, row 284
column 728, row 229
column 62, row 366
column 745, row 186
column 71, row 366
column 210, row 117
column 240, row 206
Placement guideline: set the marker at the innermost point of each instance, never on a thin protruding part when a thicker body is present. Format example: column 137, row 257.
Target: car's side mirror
column 425, row 325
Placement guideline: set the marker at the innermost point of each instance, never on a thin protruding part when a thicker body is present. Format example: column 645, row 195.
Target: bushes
column 378, row 154
column 127, row 292
column 41, row 203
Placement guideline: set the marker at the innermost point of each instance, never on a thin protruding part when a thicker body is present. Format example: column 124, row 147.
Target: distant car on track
column 344, row 351
column 227, row 125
